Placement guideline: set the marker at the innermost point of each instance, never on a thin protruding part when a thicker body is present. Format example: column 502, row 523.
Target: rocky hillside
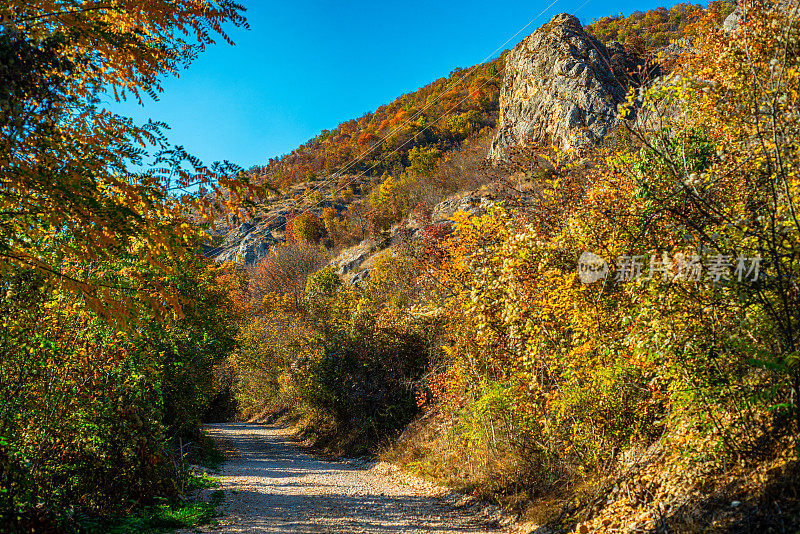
column 559, row 86
column 251, row 240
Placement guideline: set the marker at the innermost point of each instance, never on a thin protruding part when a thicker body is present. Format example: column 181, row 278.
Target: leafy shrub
column 363, row 382
column 307, row 227
column 611, row 408
column 422, row 161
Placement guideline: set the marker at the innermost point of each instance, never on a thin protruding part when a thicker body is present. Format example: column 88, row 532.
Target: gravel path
column 272, row 486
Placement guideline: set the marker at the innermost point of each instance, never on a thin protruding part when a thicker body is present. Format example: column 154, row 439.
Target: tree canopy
column 81, row 185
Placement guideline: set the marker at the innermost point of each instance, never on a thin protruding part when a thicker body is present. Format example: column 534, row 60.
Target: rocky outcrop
column 353, row 264
column 732, row 21
column 561, row 86
column 251, row 240
column 468, row 202
column 348, row 263
column 247, row 243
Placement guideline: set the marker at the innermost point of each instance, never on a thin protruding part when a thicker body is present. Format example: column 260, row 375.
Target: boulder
column 561, row 86
column 732, row 22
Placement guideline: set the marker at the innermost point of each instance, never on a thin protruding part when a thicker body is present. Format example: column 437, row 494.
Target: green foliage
column 610, row 408
column 159, row 519
column 96, row 413
column 692, row 151
column 392, row 200
column 361, row 383
column 15, row 491
column 422, row 161
column 202, row 481
column 308, row 227
column 331, row 359
column 323, row 284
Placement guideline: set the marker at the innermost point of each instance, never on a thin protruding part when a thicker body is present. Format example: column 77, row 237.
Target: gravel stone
column 272, row 486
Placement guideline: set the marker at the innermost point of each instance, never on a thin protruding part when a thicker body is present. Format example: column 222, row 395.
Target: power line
column 305, row 196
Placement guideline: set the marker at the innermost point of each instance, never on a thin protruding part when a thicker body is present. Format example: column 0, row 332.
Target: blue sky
column 308, row 65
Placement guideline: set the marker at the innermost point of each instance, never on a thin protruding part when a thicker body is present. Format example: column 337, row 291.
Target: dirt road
column 272, row 486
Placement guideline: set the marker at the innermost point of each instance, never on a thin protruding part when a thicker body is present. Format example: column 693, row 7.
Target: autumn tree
column 112, row 319
column 308, row 227
column 72, row 189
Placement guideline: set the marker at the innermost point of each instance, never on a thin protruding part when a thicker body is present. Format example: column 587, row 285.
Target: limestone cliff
column 561, row 86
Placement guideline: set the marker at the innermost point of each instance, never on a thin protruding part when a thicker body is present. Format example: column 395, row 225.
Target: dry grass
column 647, row 488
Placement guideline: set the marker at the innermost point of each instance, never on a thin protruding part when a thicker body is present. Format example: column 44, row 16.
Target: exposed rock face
column 248, row 243
column 468, row 203
column 732, row 21
column 349, row 262
column 354, row 263
column 561, row 85
column 252, row 240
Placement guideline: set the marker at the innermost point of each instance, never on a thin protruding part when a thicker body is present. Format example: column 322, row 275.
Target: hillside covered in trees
column 328, row 178
column 447, row 111
column 437, row 116
column 657, row 27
